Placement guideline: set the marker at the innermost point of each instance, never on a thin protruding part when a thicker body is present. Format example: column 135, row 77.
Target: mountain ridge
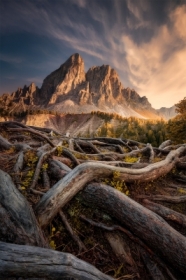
column 69, row 89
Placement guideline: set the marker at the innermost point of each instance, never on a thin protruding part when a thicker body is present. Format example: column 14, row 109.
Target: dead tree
column 27, row 214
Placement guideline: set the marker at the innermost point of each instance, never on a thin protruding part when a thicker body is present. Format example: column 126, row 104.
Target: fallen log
column 151, row 228
column 32, row 131
column 30, row 261
column 64, row 190
column 165, row 212
column 20, row 222
column 165, row 198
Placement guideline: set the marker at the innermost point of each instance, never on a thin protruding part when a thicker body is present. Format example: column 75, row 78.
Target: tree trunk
column 18, row 222
column 29, row 261
column 148, row 226
column 64, row 190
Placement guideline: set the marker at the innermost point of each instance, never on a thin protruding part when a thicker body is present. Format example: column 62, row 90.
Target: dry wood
column 43, row 157
column 46, row 180
column 165, row 144
column 55, row 170
column 19, row 213
column 74, row 236
column 61, row 165
column 78, row 147
column 44, row 129
column 151, row 153
column 30, row 261
column 145, row 224
column 71, row 144
column 64, row 190
column 68, row 153
column 4, row 143
column 122, row 250
column 87, row 144
column 18, row 167
column 165, row 198
column 32, row 131
column 166, row 213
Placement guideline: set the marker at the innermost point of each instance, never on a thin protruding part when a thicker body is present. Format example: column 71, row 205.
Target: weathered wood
column 165, row 212
column 64, row 190
column 68, row 153
column 62, row 165
column 4, row 143
column 145, row 224
column 78, row 147
column 165, row 198
column 32, row 131
column 46, row 180
column 30, row 261
column 44, row 129
column 18, row 167
column 43, row 157
column 165, row 144
column 151, row 153
column 120, row 248
column 87, row 144
column 55, row 170
column 19, row 215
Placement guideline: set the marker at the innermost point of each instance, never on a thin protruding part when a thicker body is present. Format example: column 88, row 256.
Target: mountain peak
column 73, row 60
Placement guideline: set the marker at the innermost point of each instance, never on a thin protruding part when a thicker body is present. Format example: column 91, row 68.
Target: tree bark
column 150, row 227
column 64, row 190
column 30, row 261
column 20, row 222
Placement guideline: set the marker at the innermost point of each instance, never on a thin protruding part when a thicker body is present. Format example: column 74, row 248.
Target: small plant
column 59, row 150
column 117, row 183
column 131, row 159
column 44, row 166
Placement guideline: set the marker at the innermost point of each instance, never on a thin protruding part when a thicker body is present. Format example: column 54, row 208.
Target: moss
column 131, row 159
column 59, row 150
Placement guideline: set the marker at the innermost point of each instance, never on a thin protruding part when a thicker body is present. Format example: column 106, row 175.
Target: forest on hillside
column 92, row 208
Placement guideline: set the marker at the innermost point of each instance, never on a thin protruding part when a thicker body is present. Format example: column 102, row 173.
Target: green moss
column 131, row 159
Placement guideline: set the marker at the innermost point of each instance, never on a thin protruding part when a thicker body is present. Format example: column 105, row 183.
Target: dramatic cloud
column 157, row 68
column 144, row 42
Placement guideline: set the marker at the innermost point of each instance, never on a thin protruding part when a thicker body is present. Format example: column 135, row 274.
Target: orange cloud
column 157, row 68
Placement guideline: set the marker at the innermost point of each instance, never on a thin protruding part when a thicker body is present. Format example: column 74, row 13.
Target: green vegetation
column 145, row 131
column 176, row 127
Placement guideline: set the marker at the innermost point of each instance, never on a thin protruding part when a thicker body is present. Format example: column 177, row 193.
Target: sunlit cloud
column 154, row 66
column 154, row 70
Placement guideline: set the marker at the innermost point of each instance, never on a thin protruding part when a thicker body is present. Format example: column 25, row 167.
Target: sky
column 143, row 40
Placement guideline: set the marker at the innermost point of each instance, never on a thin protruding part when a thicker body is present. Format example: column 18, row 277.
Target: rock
column 70, row 89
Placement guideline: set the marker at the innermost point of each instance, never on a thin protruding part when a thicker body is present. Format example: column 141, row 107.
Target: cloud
column 157, row 68
column 10, row 59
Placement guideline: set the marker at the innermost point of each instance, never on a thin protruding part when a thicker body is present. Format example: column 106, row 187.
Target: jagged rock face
column 69, row 78
column 20, row 99
column 69, row 89
column 134, row 100
column 104, row 85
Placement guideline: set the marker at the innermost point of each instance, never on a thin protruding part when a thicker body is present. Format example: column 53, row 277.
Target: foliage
column 146, row 131
column 30, row 159
column 176, row 127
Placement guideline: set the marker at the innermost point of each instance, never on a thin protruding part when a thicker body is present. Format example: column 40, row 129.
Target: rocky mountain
column 167, row 113
column 70, row 89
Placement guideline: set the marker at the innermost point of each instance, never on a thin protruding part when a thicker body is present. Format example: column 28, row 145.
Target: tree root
column 30, row 261
column 74, row 236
